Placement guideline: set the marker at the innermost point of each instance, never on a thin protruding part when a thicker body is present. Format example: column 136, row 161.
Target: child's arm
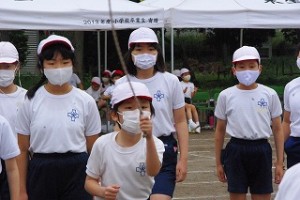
column 13, row 178
column 152, row 161
column 22, row 161
column 279, row 140
column 219, row 142
column 93, row 187
column 286, row 125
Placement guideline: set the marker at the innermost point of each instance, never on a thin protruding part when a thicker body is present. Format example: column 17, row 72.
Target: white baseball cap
column 184, row 70
column 142, row 35
column 54, row 39
column 96, row 80
column 123, row 92
column 8, row 53
column 245, row 53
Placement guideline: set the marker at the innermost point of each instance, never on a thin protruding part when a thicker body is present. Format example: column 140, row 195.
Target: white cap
column 106, row 73
column 8, row 53
column 184, row 70
column 176, row 72
column 54, row 39
column 142, row 35
column 96, row 80
column 246, row 53
column 123, row 91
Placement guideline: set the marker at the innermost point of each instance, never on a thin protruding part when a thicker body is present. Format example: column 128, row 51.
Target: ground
column 202, row 182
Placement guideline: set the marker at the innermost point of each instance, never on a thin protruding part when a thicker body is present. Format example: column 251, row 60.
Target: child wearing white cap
column 95, row 89
column 11, row 97
column 249, row 112
column 145, row 64
column 291, row 118
column 127, row 160
column 189, row 91
column 57, row 126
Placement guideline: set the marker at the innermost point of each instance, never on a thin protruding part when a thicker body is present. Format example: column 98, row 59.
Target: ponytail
column 31, row 92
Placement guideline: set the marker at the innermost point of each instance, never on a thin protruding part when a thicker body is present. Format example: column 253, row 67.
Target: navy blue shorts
column 292, row 150
column 165, row 180
column 59, row 176
column 248, row 164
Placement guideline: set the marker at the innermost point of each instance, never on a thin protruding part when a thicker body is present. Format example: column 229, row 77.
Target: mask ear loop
column 119, row 52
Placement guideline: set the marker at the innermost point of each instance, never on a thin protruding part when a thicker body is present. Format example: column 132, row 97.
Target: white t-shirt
column 8, row 143
column 74, row 80
column 10, row 104
column 94, row 93
column 291, row 104
column 58, row 123
column 190, row 88
column 167, row 95
column 289, row 186
column 126, row 167
column 248, row 112
column 108, row 91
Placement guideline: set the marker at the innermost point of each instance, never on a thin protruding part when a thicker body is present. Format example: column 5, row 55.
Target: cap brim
column 245, row 58
column 139, row 97
column 8, row 60
column 142, row 41
column 56, row 42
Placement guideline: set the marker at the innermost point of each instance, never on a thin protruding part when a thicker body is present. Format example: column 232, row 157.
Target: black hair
column 159, row 66
column 47, row 54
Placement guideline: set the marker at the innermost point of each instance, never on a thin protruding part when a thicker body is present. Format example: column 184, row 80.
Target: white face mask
column 131, row 121
column 144, row 61
column 247, row 77
column 59, row 76
column 298, row 62
column 105, row 80
column 186, row 78
column 6, row 77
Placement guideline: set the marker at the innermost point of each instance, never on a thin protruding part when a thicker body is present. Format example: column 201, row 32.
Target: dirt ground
column 202, row 182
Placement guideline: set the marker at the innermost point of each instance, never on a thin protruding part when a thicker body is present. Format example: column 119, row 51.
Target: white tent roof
column 77, row 15
column 234, row 14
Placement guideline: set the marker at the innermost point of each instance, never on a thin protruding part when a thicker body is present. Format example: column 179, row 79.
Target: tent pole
column 99, row 53
column 105, row 53
column 241, row 37
column 172, row 49
column 163, row 41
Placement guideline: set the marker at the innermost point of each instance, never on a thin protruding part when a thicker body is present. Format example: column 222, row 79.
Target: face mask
column 186, row 78
column 298, row 62
column 131, row 121
column 105, row 80
column 6, row 77
column 247, row 77
column 59, row 76
column 144, row 61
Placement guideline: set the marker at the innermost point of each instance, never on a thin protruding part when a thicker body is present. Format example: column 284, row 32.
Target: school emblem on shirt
column 73, row 115
column 158, row 96
column 262, row 103
column 141, row 169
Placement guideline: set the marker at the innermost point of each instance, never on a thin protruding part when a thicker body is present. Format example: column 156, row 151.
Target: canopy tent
column 232, row 14
column 77, row 15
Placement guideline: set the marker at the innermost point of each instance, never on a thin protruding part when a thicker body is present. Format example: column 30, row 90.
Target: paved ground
column 202, row 182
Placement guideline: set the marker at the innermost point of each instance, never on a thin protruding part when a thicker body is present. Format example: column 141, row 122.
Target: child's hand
column 111, row 192
column 146, row 126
